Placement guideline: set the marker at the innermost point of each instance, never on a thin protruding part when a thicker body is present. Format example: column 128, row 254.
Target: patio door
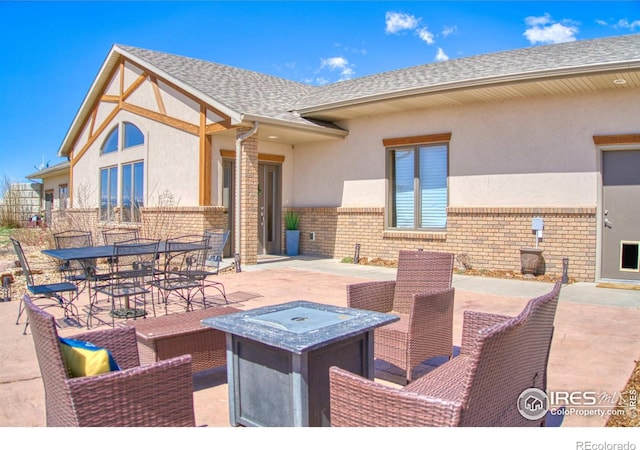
column 621, row 214
column 228, row 196
column 269, row 209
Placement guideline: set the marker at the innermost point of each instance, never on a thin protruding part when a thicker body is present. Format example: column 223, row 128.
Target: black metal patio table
column 278, row 359
column 93, row 252
column 106, row 251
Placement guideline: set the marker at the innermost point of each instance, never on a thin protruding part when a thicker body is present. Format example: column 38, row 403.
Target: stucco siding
column 534, row 152
column 113, row 85
column 104, row 109
column 172, row 164
column 53, row 184
column 179, row 105
column 143, row 96
column 170, row 156
column 344, row 172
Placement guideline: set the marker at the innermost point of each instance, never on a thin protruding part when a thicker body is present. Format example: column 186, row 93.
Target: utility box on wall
column 537, row 225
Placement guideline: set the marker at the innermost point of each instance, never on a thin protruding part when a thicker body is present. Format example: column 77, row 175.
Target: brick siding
column 490, row 237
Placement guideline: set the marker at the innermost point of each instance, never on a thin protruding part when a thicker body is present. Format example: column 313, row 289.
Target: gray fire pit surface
column 298, row 326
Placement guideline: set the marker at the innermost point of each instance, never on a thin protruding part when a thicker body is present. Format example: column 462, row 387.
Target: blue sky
column 51, row 51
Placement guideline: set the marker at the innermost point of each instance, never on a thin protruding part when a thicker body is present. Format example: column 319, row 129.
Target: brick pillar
column 249, row 200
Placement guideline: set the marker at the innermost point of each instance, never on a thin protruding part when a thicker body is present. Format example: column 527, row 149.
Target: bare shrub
column 83, row 215
column 34, row 237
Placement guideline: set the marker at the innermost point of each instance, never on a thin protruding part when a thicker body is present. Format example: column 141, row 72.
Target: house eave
column 58, row 169
column 330, row 131
column 475, row 83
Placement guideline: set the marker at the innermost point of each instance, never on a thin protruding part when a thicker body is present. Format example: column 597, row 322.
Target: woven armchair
column 500, row 357
column 160, row 394
column 425, row 328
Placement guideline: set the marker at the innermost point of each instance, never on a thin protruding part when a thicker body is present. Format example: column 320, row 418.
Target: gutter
column 236, row 235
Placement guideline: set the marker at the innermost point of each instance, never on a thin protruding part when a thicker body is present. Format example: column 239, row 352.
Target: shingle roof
column 243, row 91
column 257, row 94
column 63, row 165
column 514, row 63
column 249, row 95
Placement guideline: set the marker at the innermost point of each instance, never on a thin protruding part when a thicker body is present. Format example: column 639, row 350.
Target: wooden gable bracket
column 159, row 116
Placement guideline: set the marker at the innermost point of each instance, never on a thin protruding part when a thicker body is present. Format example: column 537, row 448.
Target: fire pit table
column 278, row 359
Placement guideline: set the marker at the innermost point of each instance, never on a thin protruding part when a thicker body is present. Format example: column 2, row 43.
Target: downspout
column 239, row 140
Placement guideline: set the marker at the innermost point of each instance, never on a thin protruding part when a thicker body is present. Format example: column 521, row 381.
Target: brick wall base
column 157, row 222
column 490, row 238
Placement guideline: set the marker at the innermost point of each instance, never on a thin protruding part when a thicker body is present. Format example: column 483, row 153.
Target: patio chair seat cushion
column 84, row 359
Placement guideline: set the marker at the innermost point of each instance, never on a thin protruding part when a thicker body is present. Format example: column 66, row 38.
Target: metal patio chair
column 132, row 268
column 115, row 235
column 60, row 294
column 500, row 358
column 214, row 257
column 425, row 328
column 183, row 270
column 81, row 272
column 217, row 240
column 155, row 395
column 74, row 271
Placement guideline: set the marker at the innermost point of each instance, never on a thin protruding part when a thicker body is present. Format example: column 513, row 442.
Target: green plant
column 4, row 235
column 291, row 220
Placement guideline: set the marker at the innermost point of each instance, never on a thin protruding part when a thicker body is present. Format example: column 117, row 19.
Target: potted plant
column 292, row 221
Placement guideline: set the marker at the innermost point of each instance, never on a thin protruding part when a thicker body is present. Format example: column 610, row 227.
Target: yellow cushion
column 85, row 359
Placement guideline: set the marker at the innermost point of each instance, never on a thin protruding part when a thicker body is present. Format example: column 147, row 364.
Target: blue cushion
column 85, row 359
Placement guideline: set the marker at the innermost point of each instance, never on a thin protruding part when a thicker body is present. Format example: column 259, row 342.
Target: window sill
column 415, row 235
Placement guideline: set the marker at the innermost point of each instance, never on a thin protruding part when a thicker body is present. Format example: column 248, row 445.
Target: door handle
column 607, row 223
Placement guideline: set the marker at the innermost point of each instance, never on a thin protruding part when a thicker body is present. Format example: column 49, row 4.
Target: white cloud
column 447, row 30
column 533, row 21
column 441, row 56
column 544, row 30
column 338, row 63
column 425, row 35
column 397, row 22
column 624, row 23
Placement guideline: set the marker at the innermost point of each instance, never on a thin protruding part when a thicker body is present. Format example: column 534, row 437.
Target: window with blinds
column 418, row 187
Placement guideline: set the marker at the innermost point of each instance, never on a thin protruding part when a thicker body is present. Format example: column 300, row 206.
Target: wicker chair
column 425, row 328
column 160, row 394
column 500, row 357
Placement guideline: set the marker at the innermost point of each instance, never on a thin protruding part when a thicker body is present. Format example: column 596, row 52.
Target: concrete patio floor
column 595, row 345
